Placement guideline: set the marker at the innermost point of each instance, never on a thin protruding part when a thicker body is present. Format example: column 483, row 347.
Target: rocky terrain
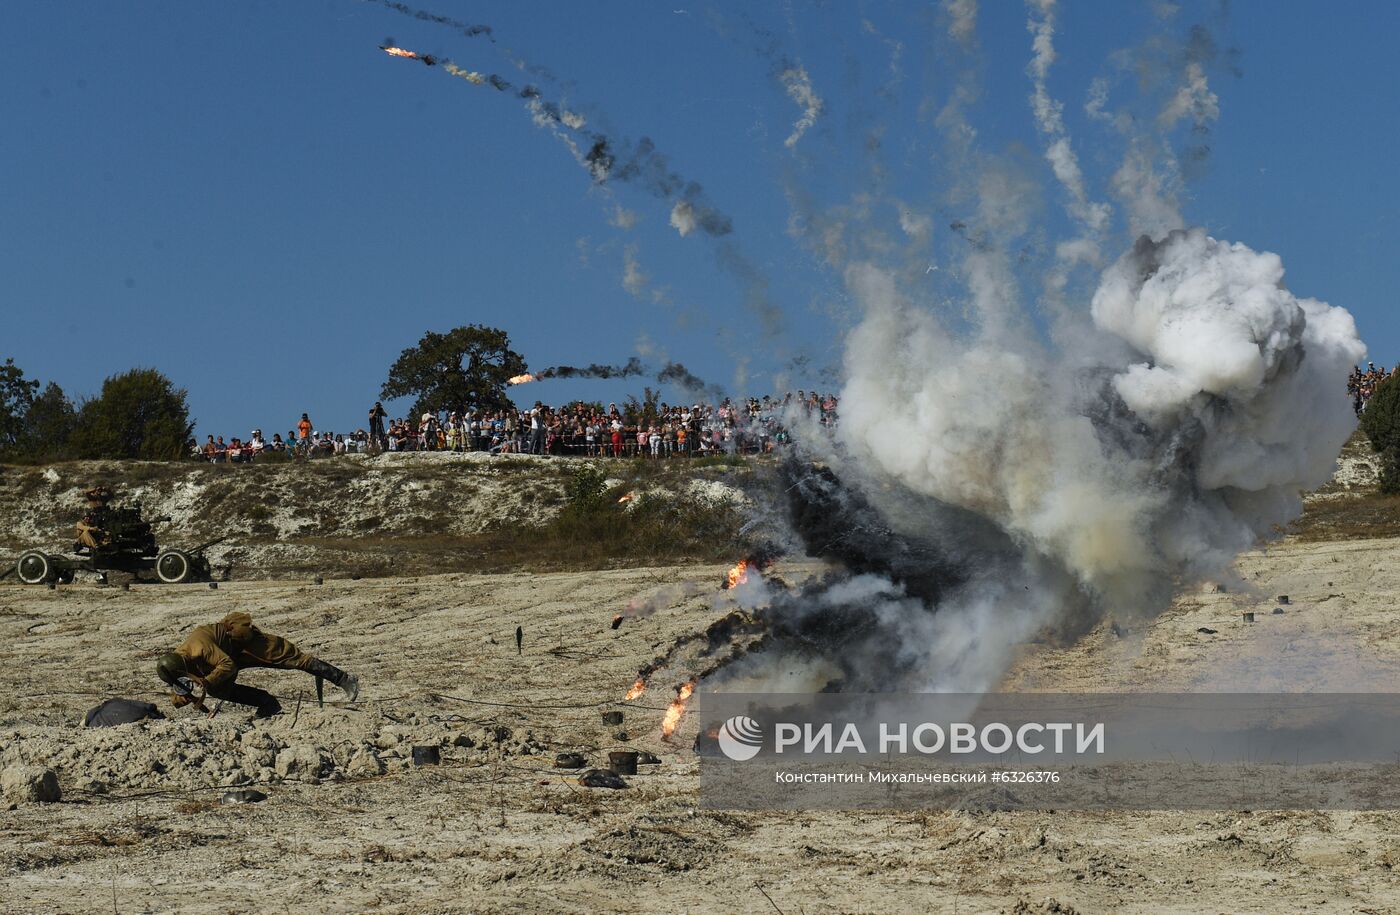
column 351, row 824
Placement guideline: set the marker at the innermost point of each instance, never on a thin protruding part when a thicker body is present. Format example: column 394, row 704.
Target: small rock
column 26, row 784
column 365, row 764
column 301, row 762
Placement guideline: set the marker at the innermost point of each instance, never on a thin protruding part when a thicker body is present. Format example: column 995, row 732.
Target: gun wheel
column 174, row 567
column 35, row 568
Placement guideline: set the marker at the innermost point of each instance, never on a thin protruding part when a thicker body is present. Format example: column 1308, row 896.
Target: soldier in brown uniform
column 91, row 530
column 211, row 657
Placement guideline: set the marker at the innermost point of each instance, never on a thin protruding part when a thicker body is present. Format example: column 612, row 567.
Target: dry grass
column 1354, row 516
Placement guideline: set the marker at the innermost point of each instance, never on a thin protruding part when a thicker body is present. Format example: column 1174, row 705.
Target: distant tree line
column 138, row 414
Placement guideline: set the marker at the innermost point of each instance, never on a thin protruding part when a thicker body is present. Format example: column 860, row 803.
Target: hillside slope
column 391, row 514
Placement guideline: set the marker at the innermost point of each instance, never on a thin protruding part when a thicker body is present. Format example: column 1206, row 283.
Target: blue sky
column 254, row 199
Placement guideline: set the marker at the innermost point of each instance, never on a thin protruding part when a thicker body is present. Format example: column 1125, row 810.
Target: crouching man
column 211, row 657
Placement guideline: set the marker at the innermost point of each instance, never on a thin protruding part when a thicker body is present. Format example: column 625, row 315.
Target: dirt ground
column 350, row 825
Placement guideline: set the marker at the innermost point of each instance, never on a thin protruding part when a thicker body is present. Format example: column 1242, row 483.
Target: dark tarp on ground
column 119, row 711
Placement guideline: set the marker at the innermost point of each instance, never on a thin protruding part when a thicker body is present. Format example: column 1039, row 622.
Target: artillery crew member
column 92, row 529
column 211, row 657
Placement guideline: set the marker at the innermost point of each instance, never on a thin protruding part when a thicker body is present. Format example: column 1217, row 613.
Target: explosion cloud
column 1004, row 469
column 989, row 481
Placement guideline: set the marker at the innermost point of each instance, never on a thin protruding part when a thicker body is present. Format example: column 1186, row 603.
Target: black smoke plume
column 467, row 29
column 633, row 367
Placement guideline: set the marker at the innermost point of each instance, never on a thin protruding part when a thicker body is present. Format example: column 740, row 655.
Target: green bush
column 585, row 489
column 1381, row 422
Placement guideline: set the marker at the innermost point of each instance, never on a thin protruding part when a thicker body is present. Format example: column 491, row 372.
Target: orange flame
column 739, row 574
column 677, row 709
column 522, row 379
column 627, row 498
column 637, row 689
column 400, row 52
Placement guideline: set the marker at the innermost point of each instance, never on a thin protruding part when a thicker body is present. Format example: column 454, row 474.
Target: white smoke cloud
column 962, row 16
column 1148, row 190
column 799, row 89
column 1193, row 99
column 634, row 280
column 1096, row 99
column 1144, row 459
column 683, row 218
column 623, row 218
column 1177, row 409
column 918, row 226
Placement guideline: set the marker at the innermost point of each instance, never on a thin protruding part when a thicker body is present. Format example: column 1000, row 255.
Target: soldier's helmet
column 99, row 495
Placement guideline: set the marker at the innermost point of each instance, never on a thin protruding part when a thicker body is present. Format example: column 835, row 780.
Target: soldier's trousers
column 264, row 650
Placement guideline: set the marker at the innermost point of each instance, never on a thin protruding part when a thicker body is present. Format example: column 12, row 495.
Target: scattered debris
column 570, row 761
column 1283, row 598
column 427, row 756
column 1249, row 616
column 242, row 796
column 1278, row 611
column 623, row 762
column 648, row 759
column 1206, row 630
column 601, row 778
column 613, row 718
column 119, row 711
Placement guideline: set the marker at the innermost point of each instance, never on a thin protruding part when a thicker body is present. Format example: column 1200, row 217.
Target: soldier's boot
column 347, row 682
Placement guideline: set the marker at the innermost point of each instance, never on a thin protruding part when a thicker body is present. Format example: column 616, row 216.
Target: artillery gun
column 129, row 547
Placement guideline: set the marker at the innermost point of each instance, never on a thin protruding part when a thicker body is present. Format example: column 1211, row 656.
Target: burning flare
column 677, row 709
column 739, row 574
column 627, row 498
column 521, row 379
column 403, row 52
column 637, row 689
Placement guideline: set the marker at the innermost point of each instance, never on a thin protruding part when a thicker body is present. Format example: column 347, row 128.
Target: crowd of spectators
column 635, row 430
column 1361, row 385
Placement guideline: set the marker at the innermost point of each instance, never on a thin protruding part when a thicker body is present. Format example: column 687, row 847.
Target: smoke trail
column 632, row 367
column 680, row 376
column 608, row 161
column 1050, row 122
column 672, row 373
column 799, row 88
column 471, row 31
